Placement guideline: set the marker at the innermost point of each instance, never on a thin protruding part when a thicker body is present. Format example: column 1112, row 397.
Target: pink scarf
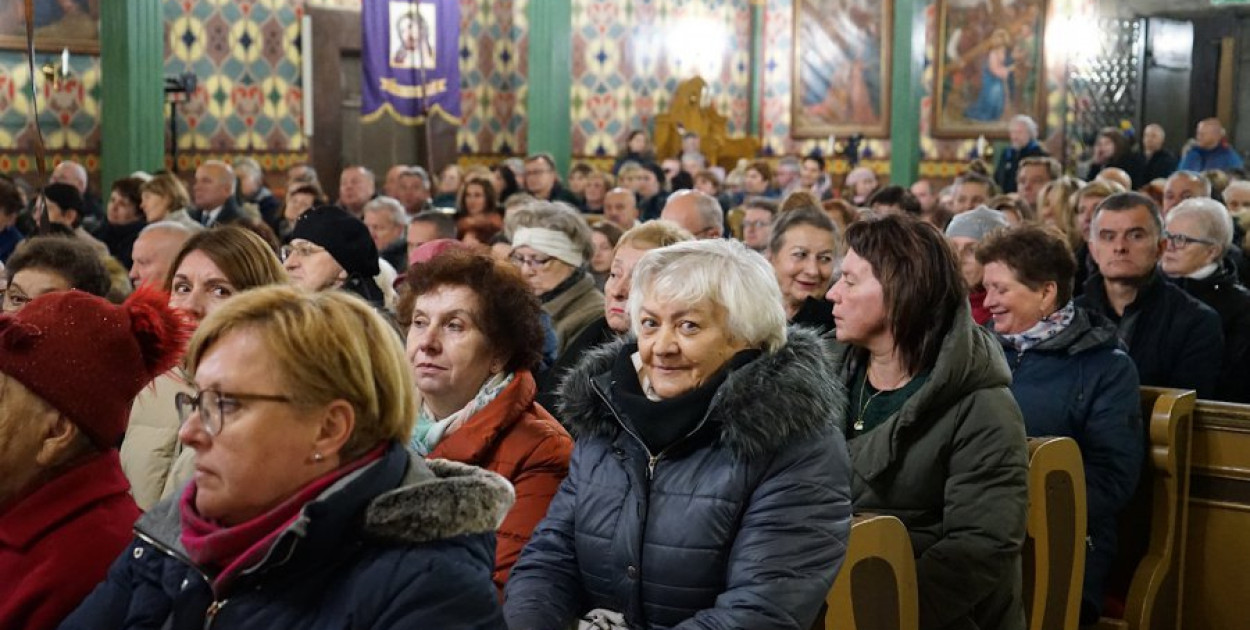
column 213, row 546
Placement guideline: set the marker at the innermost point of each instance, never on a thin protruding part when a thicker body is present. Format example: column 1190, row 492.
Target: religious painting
column 990, row 66
column 413, row 35
column 59, row 24
column 841, row 68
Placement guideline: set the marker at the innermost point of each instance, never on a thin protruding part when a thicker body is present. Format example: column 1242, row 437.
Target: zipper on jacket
column 210, row 615
column 654, row 460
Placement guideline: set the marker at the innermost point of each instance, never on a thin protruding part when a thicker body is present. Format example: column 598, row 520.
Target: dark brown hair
column 510, row 312
column 488, row 188
column 920, row 282
column 1036, row 255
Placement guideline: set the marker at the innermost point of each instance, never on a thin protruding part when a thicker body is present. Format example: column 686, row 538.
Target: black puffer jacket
column 742, row 524
column 1223, row 292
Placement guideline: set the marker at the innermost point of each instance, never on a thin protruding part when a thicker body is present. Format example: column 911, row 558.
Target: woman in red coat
column 70, row 365
column 472, row 341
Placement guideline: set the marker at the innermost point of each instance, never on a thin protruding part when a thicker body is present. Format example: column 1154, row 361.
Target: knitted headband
column 553, row 243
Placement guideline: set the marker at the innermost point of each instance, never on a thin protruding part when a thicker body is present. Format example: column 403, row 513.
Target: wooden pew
column 1218, row 546
column 1054, row 550
column 876, row 588
column 1153, row 527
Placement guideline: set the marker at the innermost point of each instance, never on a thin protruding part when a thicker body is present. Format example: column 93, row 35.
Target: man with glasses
column 542, row 181
column 1174, row 340
column 757, row 222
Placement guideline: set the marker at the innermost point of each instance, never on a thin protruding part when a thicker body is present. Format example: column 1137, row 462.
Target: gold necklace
column 859, row 422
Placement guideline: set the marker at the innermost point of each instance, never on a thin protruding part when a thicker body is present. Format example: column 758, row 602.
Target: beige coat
column 150, row 449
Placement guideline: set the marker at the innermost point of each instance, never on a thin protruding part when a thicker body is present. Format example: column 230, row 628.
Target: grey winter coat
column 952, row 464
column 741, row 524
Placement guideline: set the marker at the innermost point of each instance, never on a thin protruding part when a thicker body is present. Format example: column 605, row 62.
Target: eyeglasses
column 303, row 250
column 1181, row 241
column 533, row 262
column 756, row 224
column 214, row 405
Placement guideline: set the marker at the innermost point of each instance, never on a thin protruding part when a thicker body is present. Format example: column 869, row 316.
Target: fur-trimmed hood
column 405, row 499
column 762, row 406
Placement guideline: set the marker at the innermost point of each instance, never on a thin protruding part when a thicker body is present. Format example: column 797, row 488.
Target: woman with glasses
column 52, row 263
column 473, row 341
column 552, row 246
column 1069, row 377
column 306, row 510
column 211, row 269
column 1199, row 232
column 331, row 249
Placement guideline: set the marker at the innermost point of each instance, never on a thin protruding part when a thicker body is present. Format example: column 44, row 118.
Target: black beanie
column 64, row 196
column 344, row 236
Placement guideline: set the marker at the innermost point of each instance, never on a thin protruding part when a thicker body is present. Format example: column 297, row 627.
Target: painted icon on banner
column 413, row 36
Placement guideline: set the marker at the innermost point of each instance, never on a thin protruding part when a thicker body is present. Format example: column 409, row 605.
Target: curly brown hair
column 1036, row 254
column 510, row 312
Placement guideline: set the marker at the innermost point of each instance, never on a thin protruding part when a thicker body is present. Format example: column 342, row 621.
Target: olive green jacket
column 952, row 464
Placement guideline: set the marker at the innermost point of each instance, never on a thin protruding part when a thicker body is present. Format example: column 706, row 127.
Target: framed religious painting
column 59, row 24
column 990, row 66
column 841, row 67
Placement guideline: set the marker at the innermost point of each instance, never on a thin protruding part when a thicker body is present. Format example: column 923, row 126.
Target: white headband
column 553, row 243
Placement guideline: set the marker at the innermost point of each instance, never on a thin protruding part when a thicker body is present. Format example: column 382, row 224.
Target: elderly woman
column 331, row 249
column 212, row 268
column 1070, row 378
column 614, row 323
column 935, row 436
column 552, row 246
column 708, row 486
column 860, row 183
column 473, row 340
column 1198, row 233
column 164, row 198
column 803, row 251
column 64, row 508
column 45, row 264
column 306, row 510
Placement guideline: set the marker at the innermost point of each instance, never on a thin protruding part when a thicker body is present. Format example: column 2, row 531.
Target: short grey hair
column 1028, row 123
column 1193, row 177
column 710, row 213
column 722, row 271
column 1212, row 218
column 553, row 215
column 170, row 226
column 1236, row 184
column 249, row 167
column 416, row 171
column 389, row 205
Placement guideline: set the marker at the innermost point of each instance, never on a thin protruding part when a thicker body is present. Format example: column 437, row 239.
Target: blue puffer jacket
column 741, row 524
column 1081, row 384
column 395, row 544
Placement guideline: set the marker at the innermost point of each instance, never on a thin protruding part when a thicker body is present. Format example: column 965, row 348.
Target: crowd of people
column 645, row 397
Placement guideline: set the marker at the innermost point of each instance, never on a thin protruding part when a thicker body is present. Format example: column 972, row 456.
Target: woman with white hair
column 708, row 486
column 552, row 246
column 1198, row 233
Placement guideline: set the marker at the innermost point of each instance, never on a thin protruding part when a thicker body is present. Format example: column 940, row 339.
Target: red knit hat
column 88, row 358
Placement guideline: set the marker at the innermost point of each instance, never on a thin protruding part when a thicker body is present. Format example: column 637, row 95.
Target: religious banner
column 409, row 60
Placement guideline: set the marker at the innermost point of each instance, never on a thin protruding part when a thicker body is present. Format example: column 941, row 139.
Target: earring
column 317, row 457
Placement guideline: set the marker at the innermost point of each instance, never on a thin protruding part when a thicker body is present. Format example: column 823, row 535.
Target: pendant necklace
column 859, row 423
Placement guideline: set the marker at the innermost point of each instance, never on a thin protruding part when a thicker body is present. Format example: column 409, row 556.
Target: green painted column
column 132, row 97
column 755, row 80
column 550, row 79
column 906, row 91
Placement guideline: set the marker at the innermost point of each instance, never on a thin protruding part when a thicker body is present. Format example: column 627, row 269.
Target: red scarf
column 976, row 300
column 233, row 549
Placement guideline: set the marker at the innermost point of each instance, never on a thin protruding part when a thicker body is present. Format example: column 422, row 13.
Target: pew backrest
column 1054, row 549
column 876, row 588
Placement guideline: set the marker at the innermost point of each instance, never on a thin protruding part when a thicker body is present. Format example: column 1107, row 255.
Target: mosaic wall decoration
column 628, row 58
column 494, row 44
column 69, row 110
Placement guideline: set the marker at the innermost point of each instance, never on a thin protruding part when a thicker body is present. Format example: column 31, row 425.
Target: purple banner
column 410, row 59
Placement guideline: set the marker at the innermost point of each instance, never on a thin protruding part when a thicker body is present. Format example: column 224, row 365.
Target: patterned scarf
column 430, row 431
column 1044, row 329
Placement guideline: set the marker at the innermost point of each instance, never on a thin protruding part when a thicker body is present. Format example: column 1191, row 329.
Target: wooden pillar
column 548, row 94
column 905, row 90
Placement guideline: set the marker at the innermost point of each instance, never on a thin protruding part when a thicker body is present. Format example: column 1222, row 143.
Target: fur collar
column 762, row 406
column 459, row 499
